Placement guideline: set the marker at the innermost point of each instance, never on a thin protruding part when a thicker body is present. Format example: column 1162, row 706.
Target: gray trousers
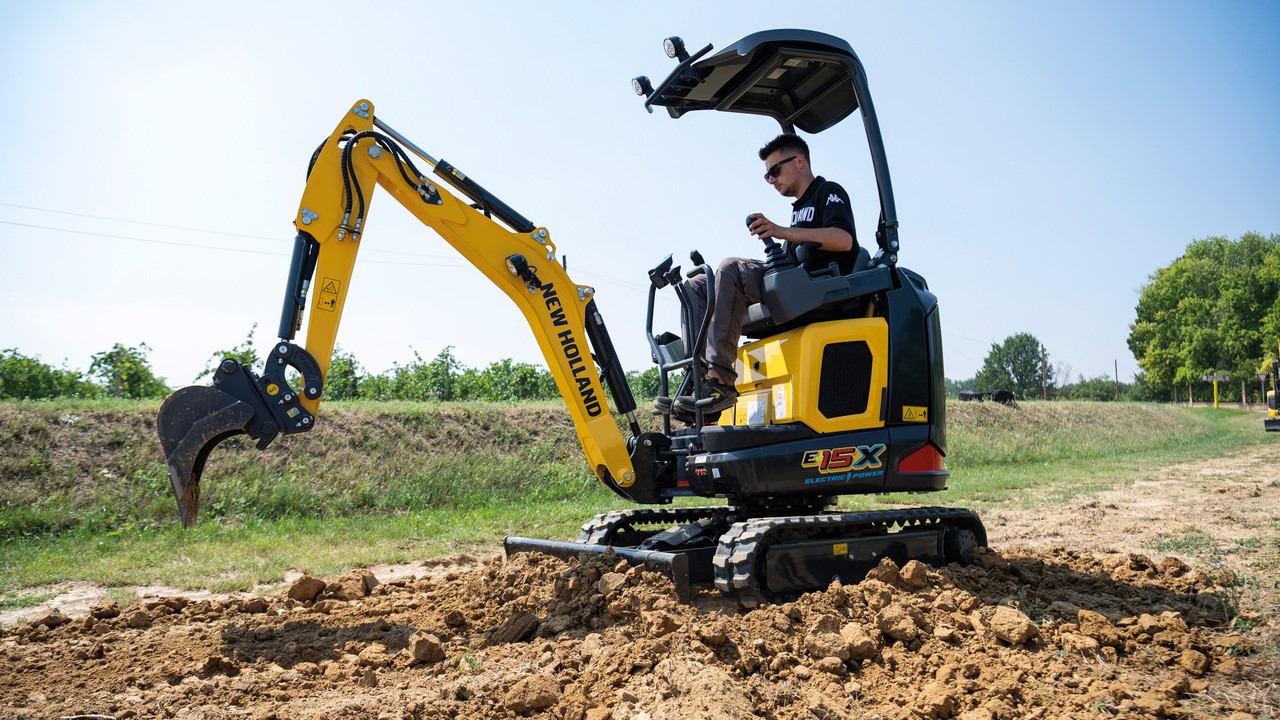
column 739, row 283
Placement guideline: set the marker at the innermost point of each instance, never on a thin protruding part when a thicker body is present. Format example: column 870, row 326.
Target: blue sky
column 1047, row 158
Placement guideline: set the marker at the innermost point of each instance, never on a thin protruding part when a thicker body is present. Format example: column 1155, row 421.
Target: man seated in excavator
column 840, row 390
column 821, row 222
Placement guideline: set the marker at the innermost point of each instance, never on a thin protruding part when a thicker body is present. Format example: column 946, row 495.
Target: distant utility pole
column 1117, row 362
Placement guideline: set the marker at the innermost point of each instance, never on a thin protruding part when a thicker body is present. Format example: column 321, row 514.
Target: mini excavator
column 840, row 380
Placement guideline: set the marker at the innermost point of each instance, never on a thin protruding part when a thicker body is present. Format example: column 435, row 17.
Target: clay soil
column 1157, row 600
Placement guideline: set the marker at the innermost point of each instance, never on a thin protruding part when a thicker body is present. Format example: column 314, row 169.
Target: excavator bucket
column 192, row 421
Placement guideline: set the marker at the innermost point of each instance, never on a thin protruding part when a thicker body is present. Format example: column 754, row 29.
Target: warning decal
column 328, row 298
column 911, row 413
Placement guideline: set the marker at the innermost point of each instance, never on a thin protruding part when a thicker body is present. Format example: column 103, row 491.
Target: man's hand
column 764, row 228
column 827, row 238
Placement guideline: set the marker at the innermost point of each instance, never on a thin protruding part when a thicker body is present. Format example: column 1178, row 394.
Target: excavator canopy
column 802, row 79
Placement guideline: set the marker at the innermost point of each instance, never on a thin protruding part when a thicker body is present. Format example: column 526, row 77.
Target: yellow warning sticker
column 328, row 297
column 840, row 549
column 911, row 413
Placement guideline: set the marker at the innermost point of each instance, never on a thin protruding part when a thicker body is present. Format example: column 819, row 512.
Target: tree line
column 1214, row 311
column 1022, row 365
column 125, row 372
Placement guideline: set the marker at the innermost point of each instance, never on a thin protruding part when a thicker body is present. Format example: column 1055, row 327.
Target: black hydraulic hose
column 417, row 179
column 348, row 168
column 346, row 182
column 402, row 159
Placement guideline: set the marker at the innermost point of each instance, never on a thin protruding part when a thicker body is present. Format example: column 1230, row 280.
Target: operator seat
column 794, row 297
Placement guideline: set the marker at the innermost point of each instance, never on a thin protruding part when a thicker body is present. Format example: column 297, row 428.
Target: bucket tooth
column 192, row 421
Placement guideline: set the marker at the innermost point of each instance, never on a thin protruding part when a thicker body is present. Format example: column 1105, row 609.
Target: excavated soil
column 1071, row 614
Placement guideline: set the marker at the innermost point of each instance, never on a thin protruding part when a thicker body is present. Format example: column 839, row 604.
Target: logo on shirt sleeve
column 834, row 198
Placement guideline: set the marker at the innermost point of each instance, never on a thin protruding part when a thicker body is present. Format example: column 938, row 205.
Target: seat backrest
column 800, row 253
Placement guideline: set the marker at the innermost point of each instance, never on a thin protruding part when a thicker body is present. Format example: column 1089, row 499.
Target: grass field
column 85, row 494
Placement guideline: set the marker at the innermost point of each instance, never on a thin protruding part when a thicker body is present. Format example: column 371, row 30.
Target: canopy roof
column 801, row 78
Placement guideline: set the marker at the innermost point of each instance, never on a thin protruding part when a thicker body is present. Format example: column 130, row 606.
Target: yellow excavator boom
column 362, row 153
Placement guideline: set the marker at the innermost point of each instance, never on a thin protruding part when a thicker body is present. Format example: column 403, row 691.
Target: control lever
column 777, row 256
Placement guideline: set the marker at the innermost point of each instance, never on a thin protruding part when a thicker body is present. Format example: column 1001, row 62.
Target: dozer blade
column 192, row 421
column 1271, row 424
column 674, row 565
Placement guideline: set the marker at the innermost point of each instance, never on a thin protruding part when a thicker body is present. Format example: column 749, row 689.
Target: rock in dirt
column 50, row 618
column 354, row 585
column 827, row 645
column 519, row 628
column 1097, row 626
column 535, row 692
column 306, row 588
column 374, row 656
column 611, row 583
column 859, row 641
column 900, row 622
column 936, row 701
column 426, row 648
column 105, row 611
column 1010, row 625
column 914, row 575
column 1194, row 661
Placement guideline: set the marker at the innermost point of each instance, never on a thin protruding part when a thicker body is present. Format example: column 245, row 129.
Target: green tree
column 125, row 373
column 441, row 375
column 419, row 380
column 1216, row 308
column 647, row 384
column 244, row 353
column 26, row 378
column 1014, row 365
column 507, row 380
column 343, row 381
column 1102, row 387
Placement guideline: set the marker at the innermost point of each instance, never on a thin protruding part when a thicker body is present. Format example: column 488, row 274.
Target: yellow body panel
column 776, row 387
column 556, row 312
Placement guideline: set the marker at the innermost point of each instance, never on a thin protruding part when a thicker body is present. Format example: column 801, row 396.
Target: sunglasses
column 776, row 169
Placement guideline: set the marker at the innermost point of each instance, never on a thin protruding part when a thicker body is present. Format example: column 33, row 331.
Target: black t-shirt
column 826, row 204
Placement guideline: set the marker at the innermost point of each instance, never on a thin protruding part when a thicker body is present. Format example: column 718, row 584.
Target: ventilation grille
column 846, row 379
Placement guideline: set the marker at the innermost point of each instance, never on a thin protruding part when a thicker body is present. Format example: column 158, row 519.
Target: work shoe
column 663, row 405
column 716, row 397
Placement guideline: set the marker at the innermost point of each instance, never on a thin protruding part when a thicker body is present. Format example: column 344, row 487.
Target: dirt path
column 1158, row 600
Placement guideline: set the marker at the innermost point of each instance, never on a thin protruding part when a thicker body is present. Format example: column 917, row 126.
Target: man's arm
column 833, row 239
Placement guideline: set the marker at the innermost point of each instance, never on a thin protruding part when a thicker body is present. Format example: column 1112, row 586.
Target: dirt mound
column 1021, row 634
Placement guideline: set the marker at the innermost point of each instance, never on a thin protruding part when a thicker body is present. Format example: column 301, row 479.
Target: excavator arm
column 361, row 153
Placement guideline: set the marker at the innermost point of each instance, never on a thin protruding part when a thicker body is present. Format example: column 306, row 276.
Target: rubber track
column 600, row 529
column 736, row 560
